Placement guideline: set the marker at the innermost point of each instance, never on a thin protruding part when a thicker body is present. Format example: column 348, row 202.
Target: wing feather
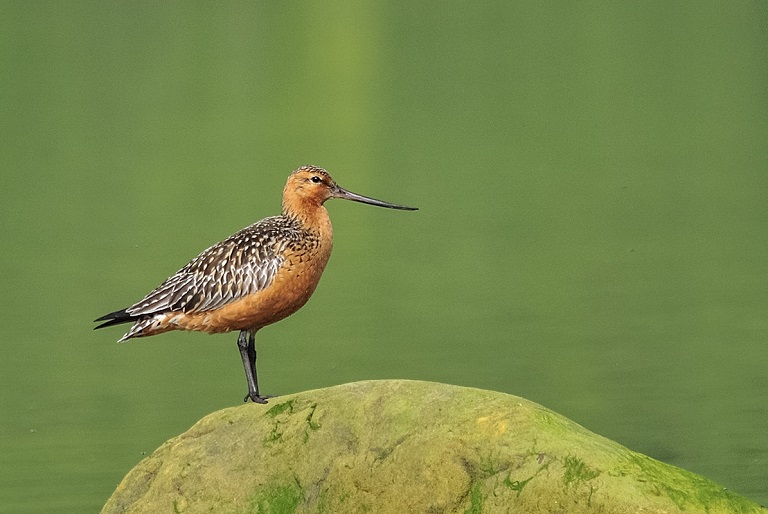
column 242, row 264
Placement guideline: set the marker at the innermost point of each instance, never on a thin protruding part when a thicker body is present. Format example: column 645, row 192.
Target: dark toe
column 255, row 398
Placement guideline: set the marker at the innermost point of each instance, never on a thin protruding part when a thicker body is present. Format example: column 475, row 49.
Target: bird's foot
column 256, row 398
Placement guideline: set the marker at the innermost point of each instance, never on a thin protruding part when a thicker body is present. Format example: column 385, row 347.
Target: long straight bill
column 348, row 195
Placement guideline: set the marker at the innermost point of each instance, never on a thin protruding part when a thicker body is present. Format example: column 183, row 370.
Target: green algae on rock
column 399, row 446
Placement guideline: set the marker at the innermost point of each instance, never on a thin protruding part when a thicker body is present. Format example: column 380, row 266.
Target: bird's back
column 225, row 287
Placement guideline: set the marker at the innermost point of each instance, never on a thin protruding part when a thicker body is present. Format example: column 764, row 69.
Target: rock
column 399, row 446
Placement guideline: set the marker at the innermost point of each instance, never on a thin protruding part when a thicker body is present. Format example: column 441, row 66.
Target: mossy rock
column 399, row 446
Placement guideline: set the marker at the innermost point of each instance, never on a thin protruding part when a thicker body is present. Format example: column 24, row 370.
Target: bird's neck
column 310, row 216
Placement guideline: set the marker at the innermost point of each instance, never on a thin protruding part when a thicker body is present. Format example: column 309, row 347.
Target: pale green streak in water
column 592, row 234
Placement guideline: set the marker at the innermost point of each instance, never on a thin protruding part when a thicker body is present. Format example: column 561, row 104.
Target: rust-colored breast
column 256, row 277
column 290, row 289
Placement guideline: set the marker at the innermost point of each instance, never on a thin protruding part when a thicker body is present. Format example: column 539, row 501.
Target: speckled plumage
column 243, row 264
column 253, row 278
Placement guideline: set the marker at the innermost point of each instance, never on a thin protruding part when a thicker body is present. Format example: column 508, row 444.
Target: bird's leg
column 246, row 343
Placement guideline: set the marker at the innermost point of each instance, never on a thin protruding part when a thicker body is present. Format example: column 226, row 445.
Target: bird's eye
column 316, row 179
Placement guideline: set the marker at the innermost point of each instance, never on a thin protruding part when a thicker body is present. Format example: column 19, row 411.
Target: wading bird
column 256, row 277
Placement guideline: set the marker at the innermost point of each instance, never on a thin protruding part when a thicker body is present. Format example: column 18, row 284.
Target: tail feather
column 115, row 318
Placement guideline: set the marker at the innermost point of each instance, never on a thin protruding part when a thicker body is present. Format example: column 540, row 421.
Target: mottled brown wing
column 242, row 264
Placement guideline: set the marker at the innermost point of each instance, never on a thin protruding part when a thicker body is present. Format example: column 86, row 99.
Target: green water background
column 593, row 230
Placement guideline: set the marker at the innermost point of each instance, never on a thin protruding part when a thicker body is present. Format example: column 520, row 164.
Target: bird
column 257, row 276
